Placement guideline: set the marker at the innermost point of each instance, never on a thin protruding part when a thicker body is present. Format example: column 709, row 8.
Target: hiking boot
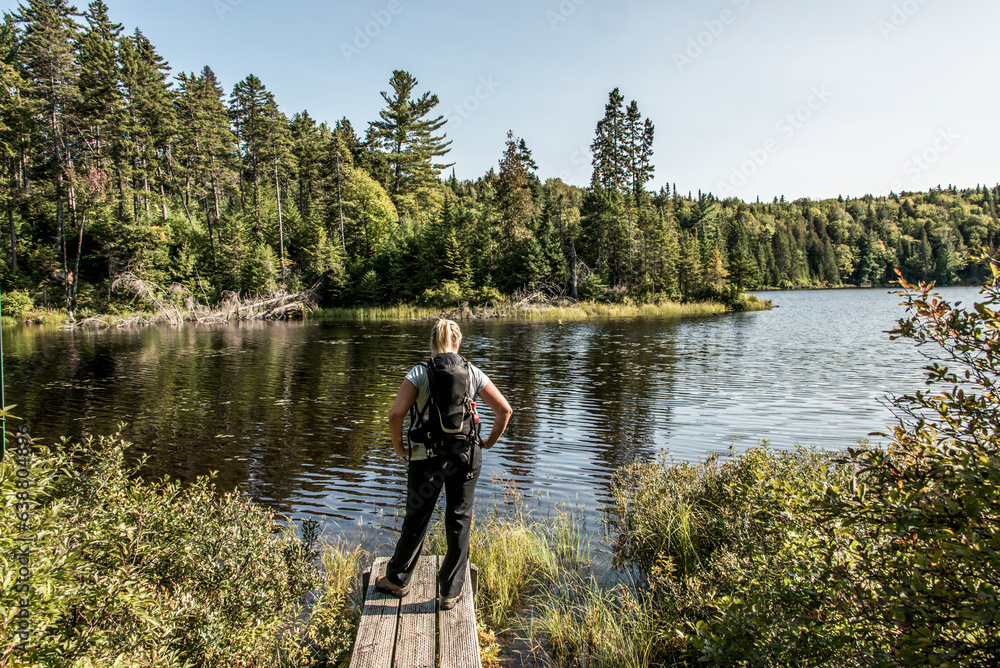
column 384, row 585
column 449, row 602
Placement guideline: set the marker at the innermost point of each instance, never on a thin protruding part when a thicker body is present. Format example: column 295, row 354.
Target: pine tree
column 639, row 142
column 248, row 105
column 408, row 139
column 609, row 147
column 15, row 126
column 206, row 146
column 98, row 109
column 513, row 189
column 149, row 125
column 307, row 149
column 556, row 266
column 741, row 268
column 277, row 152
column 100, row 96
column 831, row 274
column 715, row 270
column 338, row 163
column 623, row 149
column 689, row 268
column 48, row 51
column 867, row 266
column 661, row 249
column 454, row 262
column 781, row 249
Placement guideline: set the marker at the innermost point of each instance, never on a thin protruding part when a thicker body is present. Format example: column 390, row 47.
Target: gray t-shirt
column 418, row 376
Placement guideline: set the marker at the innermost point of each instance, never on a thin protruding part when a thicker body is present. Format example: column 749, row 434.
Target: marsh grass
column 538, row 312
column 375, row 313
column 587, row 623
column 586, row 310
column 404, row 312
column 538, row 587
column 44, row 317
column 331, row 624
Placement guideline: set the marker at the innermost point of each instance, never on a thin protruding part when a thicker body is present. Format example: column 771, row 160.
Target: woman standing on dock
column 458, row 472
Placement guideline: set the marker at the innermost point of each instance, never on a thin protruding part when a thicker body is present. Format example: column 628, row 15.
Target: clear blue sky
column 749, row 97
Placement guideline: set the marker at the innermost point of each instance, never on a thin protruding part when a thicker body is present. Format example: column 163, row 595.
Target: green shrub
column 592, row 288
column 715, row 548
column 131, row 573
column 17, row 304
column 734, row 299
column 928, row 505
column 447, row 294
column 486, row 296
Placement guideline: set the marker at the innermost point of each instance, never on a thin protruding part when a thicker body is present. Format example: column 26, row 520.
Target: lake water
column 295, row 414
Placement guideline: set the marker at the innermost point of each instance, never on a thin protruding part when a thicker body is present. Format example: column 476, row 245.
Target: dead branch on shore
column 273, row 306
column 152, row 293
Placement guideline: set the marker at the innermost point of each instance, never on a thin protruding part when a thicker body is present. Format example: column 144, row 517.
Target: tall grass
column 330, row 628
column 375, row 313
column 520, row 555
column 544, row 312
column 585, row 310
column 588, row 624
column 537, row 583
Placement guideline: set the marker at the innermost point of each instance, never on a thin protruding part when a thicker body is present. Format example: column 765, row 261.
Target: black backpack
column 448, row 424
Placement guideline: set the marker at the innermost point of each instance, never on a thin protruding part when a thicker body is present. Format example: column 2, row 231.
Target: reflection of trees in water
column 514, row 368
column 621, row 375
column 599, row 380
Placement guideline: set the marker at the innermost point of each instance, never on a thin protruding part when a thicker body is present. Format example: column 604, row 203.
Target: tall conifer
column 100, row 76
column 15, row 125
column 513, row 189
column 48, row 50
column 206, row 146
column 248, row 113
column 408, row 138
column 149, row 124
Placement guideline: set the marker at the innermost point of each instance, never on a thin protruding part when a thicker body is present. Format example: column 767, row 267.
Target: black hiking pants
column 423, row 486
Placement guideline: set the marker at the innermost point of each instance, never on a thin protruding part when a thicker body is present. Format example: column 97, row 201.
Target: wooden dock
column 411, row 632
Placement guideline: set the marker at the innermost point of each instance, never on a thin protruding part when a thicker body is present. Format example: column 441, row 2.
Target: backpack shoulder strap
column 415, row 414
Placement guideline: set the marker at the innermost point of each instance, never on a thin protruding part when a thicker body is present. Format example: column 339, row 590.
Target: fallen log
column 287, row 310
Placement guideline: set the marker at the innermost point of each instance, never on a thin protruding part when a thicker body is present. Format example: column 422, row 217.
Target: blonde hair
column 446, row 337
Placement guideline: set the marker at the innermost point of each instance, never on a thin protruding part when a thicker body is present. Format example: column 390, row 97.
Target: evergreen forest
column 112, row 165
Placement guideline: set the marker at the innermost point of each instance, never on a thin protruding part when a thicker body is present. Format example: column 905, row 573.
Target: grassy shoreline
column 543, row 312
column 563, row 310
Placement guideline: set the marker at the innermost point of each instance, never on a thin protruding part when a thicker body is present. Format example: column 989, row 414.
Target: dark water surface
column 295, row 414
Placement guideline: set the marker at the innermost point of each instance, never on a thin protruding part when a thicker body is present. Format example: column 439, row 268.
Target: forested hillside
column 112, row 165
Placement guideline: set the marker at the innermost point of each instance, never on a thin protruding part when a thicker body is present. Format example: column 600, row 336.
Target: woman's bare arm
column 501, row 411
column 404, row 399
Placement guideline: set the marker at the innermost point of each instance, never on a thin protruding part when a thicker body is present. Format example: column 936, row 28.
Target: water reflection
column 295, row 414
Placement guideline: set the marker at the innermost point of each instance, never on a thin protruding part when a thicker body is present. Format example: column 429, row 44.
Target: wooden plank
column 373, row 647
column 415, row 639
column 459, row 641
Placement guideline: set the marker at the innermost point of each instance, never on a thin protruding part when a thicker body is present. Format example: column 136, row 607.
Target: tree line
column 109, row 165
